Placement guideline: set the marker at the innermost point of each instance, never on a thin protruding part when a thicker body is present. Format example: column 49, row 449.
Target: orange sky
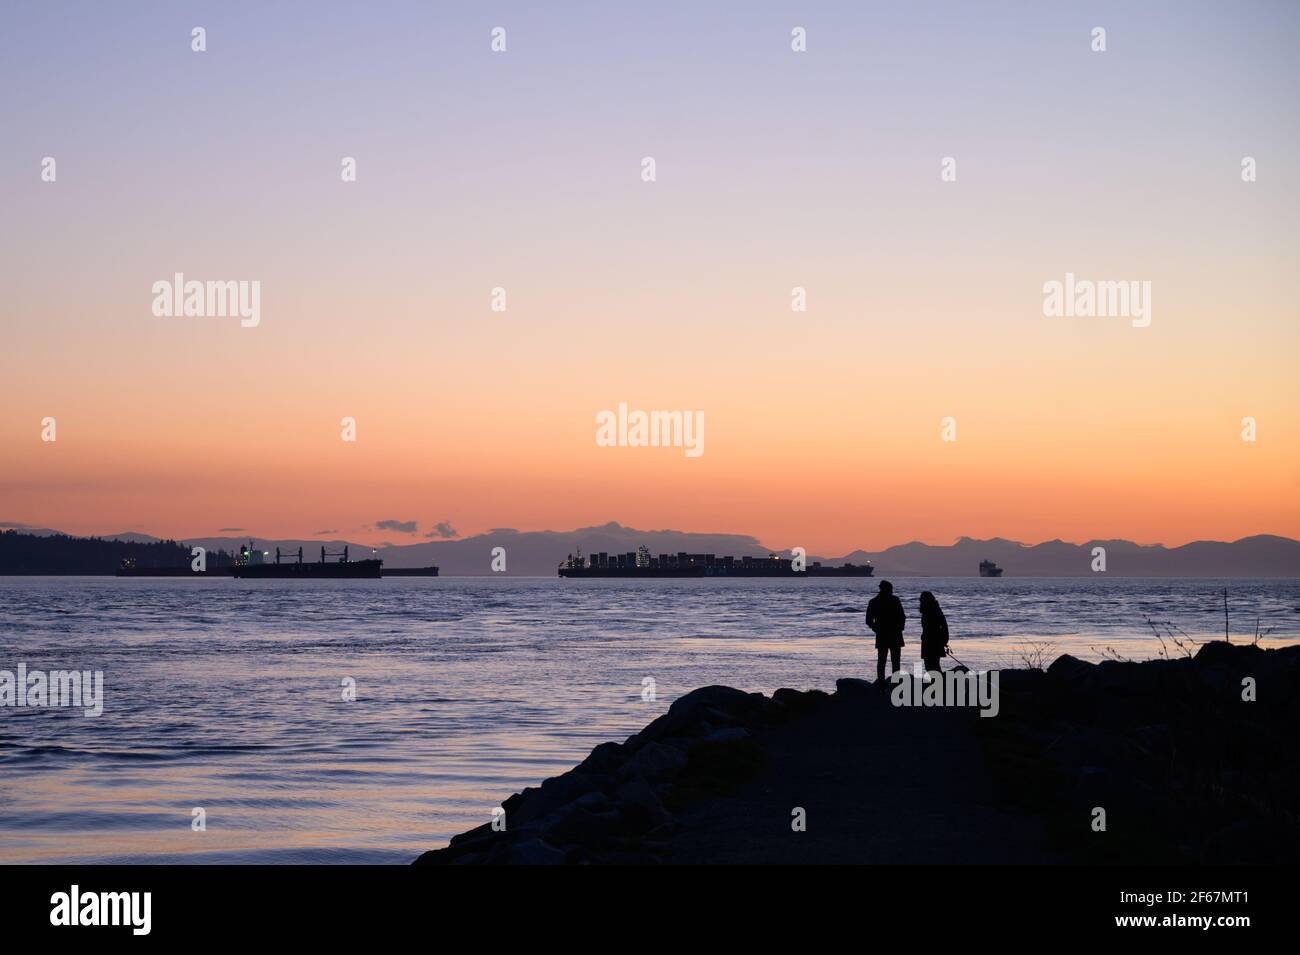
column 1079, row 431
column 822, row 428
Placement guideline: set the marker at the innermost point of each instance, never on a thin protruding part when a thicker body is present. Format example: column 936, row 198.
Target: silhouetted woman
column 934, row 632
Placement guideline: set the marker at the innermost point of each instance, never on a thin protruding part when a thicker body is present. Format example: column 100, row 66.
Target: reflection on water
column 227, row 695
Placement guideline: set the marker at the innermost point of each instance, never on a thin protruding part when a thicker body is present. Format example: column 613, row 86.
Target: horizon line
column 231, row 535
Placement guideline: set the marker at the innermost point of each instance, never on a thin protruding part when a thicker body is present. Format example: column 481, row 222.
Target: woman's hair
column 927, row 599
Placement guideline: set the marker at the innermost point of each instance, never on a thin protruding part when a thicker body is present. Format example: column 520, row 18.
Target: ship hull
column 170, row 572
column 348, row 570
column 635, row 572
column 848, row 570
column 344, row 570
column 640, row 573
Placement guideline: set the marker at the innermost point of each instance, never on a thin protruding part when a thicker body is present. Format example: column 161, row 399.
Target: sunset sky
column 775, row 169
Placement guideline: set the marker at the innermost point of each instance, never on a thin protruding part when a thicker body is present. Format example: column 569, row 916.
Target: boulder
column 787, row 697
column 718, row 703
column 655, row 761
column 605, row 758
column 576, row 825
column 555, row 792
column 1070, row 669
column 852, row 686
column 637, row 794
column 642, row 806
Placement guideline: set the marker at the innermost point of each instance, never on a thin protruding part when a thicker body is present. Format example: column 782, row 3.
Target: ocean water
column 227, row 696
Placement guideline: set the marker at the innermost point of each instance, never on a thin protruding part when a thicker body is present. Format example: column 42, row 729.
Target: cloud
column 442, row 530
column 328, row 531
column 402, row 527
column 14, row 525
column 232, row 530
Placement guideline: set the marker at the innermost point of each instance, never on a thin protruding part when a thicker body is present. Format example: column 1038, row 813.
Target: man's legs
column 894, row 654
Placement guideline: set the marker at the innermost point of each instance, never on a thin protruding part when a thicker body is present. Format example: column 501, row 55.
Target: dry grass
column 1035, row 654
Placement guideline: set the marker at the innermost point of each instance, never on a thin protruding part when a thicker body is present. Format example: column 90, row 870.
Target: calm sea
column 227, row 696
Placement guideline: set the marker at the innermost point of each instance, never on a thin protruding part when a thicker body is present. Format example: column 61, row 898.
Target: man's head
column 886, row 587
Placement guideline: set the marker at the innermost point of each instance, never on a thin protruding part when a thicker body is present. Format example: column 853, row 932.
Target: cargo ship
column 253, row 564
column 642, row 564
column 411, row 572
column 989, row 569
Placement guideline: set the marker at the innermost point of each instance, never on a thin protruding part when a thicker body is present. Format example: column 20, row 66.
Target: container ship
column 642, row 564
column 989, row 569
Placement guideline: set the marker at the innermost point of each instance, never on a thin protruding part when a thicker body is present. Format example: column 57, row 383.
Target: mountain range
column 536, row 553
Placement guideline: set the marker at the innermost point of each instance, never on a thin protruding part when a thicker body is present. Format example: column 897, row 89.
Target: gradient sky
column 775, row 170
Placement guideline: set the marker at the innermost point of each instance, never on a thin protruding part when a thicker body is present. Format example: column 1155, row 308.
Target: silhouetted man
column 886, row 619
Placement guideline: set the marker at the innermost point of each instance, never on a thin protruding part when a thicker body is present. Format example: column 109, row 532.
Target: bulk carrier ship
column 252, row 563
column 642, row 564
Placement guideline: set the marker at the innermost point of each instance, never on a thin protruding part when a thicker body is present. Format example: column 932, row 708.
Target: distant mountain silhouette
column 24, row 553
column 24, row 529
column 1263, row 555
column 536, row 553
column 132, row 537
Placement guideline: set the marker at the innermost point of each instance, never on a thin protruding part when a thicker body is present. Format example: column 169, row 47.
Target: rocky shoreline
column 1185, row 769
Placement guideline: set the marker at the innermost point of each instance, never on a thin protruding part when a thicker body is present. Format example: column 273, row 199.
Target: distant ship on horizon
column 641, row 564
column 989, row 569
column 252, row 563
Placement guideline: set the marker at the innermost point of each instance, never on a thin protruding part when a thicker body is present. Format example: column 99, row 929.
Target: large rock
column 604, row 759
column 581, row 826
column 655, row 761
column 1221, row 653
column 798, row 702
column 852, row 686
column 555, row 792
column 1070, row 669
column 641, row 804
